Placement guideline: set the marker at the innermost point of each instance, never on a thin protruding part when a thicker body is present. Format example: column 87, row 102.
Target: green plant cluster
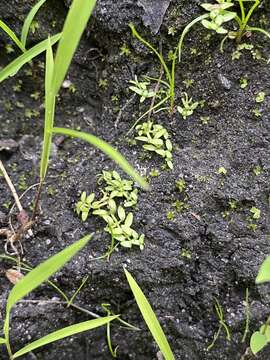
column 188, row 106
column 218, row 15
column 141, row 88
column 156, row 138
column 118, row 222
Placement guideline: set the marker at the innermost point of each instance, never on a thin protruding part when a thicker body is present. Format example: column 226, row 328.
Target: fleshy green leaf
column 74, row 26
column 107, row 149
column 21, row 60
column 265, row 330
column 150, row 317
column 257, row 342
column 264, row 272
column 62, row 333
column 2, row 341
column 28, row 21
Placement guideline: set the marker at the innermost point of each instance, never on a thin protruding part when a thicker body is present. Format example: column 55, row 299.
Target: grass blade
column 49, row 112
column 150, row 318
column 28, row 21
column 21, row 60
column 12, row 35
column 107, row 149
column 62, row 333
column 38, row 275
column 75, row 23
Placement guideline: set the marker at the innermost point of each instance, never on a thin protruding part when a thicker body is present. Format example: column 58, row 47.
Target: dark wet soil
column 211, row 250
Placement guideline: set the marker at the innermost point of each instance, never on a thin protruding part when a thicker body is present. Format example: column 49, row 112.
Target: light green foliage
column 261, row 338
column 188, row 106
column 181, row 206
column 188, row 83
column 222, row 171
column 156, row 138
column 118, row 222
column 256, row 213
column 218, row 15
column 264, row 272
column 186, row 253
column 103, row 84
column 181, row 185
column 240, row 47
column 154, row 173
column 124, row 50
column 29, row 22
column 222, row 325
column 118, row 187
column 260, row 97
column 170, row 215
column 26, row 57
column 257, row 112
column 243, row 83
column 83, row 206
column 141, row 88
column 257, row 170
column 150, row 318
column 169, row 72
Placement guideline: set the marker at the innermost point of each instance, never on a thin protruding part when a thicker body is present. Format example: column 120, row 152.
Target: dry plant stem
column 156, row 91
column 11, row 210
column 94, row 315
column 37, row 198
column 11, row 187
column 122, row 109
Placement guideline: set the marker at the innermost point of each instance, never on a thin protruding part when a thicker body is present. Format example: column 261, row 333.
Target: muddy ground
column 210, row 250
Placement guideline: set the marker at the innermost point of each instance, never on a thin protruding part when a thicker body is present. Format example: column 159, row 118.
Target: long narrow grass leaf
column 39, row 274
column 49, row 112
column 74, row 26
column 28, row 21
column 21, row 60
column 150, row 318
column 65, row 332
column 12, row 35
column 107, row 149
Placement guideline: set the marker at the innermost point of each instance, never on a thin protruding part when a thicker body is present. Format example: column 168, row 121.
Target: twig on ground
column 11, row 187
column 122, row 109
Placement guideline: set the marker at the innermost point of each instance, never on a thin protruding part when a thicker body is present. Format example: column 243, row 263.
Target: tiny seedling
column 156, row 138
column 256, row 213
column 181, row 185
column 243, row 83
column 220, row 13
column 188, row 106
column 222, row 171
column 222, row 325
column 260, row 97
column 141, row 88
column 169, row 71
